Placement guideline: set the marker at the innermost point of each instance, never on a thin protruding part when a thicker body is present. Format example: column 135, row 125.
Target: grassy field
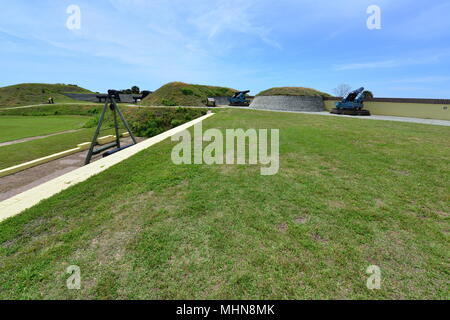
column 184, row 94
column 37, row 93
column 12, row 155
column 17, row 127
column 350, row 193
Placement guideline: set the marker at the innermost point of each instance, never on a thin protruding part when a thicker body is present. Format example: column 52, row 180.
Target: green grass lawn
column 18, row 127
column 350, row 193
column 15, row 154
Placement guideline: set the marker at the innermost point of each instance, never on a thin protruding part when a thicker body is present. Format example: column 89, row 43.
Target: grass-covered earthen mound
column 183, row 94
column 293, row 91
column 37, row 93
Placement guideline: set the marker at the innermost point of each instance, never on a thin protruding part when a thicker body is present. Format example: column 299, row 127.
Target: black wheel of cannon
column 364, row 113
column 336, row 111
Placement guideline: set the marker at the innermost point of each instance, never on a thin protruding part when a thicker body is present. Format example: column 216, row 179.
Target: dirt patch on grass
column 442, row 214
column 402, row 172
column 7, row 244
column 226, row 169
column 335, row 204
column 317, row 237
column 282, row 227
column 379, row 203
column 300, row 220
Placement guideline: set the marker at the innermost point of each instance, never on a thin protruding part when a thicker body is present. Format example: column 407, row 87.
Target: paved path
column 391, row 118
column 36, row 138
column 374, row 117
column 44, row 104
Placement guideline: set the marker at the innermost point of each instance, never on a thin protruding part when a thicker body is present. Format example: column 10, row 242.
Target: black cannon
column 352, row 104
column 239, row 99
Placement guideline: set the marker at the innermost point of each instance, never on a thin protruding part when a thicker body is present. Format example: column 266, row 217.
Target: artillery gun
column 352, row 104
column 239, row 99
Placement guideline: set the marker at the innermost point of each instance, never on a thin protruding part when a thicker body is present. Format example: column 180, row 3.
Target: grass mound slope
column 293, row 91
column 157, row 230
column 37, row 93
column 183, row 94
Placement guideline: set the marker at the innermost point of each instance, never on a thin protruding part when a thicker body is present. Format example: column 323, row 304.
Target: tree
column 342, row 90
column 368, row 94
column 135, row 89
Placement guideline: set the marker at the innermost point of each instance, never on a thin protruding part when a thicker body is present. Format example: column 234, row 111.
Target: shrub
column 93, row 111
column 148, row 122
column 368, row 94
column 168, row 103
column 92, row 122
column 187, row 92
column 177, row 122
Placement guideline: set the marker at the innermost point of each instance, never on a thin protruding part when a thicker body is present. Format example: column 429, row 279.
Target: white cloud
column 392, row 63
column 428, row 79
column 232, row 16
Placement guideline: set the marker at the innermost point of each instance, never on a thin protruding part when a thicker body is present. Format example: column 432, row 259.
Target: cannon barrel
column 237, row 93
column 239, row 99
column 351, row 96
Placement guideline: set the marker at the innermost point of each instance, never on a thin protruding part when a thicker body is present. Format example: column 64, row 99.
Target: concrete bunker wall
column 222, row 101
column 289, row 103
column 88, row 97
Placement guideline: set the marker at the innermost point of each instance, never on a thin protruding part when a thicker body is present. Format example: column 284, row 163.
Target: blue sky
column 243, row 44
